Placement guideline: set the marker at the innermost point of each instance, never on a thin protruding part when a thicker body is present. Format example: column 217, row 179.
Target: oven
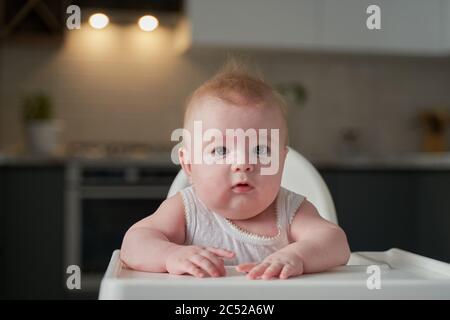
column 103, row 199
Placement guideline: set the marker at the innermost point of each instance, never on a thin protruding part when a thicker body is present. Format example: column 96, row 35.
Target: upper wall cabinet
column 407, row 26
column 253, row 23
column 446, row 25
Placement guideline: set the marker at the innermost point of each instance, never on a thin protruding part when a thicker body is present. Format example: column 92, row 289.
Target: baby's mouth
column 242, row 187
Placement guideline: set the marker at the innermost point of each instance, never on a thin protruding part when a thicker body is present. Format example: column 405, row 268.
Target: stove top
column 122, row 150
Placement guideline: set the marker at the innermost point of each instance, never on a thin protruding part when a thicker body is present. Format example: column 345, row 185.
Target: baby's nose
column 242, row 167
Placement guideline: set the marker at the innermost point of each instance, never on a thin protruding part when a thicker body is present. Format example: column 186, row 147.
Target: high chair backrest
column 299, row 176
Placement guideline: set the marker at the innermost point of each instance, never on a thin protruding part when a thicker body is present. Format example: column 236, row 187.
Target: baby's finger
column 258, row 270
column 287, row 271
column 245, row 267
column 217, row 261
column 272, row 271
column 221, row 252
column 192, row 269
column 204, row 264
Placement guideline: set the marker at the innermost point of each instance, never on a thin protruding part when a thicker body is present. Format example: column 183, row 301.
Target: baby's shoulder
column 288, row 204
column 173, row 204
column 171, row 210
column 291, row 200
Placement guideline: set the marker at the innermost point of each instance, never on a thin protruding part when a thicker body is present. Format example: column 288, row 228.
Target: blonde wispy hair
column 234, row 83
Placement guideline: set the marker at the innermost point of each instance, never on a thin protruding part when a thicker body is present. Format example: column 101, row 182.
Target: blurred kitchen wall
column 120, row 84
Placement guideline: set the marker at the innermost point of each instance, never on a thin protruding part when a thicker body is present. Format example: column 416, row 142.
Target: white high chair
column 392, row 274
column 299, row 176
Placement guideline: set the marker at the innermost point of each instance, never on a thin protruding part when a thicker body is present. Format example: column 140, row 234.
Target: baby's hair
column 235, row 83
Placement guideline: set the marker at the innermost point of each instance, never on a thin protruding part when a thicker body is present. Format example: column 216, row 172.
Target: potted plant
column 294, row 93
column 434, row 122
column 41, row 129
column 296, row 96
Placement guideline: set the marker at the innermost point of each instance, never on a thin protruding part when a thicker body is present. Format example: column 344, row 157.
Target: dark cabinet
column 382, row 209
column 2, row 238
column 32, row 211
column 433, row 222
column 378, row 209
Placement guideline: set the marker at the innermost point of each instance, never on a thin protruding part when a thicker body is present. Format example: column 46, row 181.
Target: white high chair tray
column 403, row 275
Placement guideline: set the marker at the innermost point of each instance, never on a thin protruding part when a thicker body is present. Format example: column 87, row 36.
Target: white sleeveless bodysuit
column 209, row 229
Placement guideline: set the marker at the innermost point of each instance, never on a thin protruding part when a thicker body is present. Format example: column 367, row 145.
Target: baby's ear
column 185, row 160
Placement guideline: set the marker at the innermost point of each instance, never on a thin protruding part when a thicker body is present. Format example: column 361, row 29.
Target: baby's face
column 227, row 180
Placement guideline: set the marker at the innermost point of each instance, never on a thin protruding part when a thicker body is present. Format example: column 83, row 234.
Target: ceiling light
column 148, row 23
column 98, row 20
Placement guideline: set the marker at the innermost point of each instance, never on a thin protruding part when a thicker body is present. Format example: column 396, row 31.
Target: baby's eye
column 220, row 151
column 262, row 150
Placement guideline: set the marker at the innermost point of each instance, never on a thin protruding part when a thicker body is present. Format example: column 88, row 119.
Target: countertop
column 413, row 161
column 156, row 159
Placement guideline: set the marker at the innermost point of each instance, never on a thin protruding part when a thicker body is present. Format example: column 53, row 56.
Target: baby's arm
column 317, row 246
column 148, row 242
column 155, row 244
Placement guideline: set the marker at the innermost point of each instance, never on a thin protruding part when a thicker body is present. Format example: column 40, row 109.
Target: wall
column 120, row 84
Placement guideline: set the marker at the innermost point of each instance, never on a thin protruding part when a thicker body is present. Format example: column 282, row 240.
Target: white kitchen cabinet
column 446, row 26
column 407, row 26
column 253, row 23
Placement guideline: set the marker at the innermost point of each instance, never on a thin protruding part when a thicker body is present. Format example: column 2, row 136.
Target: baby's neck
column 267, row 213
column 264, row 223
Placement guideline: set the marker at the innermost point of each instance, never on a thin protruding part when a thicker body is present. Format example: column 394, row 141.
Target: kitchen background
column 370, row 108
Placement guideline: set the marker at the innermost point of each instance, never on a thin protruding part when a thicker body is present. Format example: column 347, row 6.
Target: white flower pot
column 43, row 137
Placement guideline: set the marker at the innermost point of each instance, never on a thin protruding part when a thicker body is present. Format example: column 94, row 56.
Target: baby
column 233, row 213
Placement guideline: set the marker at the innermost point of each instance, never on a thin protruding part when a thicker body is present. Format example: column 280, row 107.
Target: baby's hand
column 278, row 265
column 197, row 261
